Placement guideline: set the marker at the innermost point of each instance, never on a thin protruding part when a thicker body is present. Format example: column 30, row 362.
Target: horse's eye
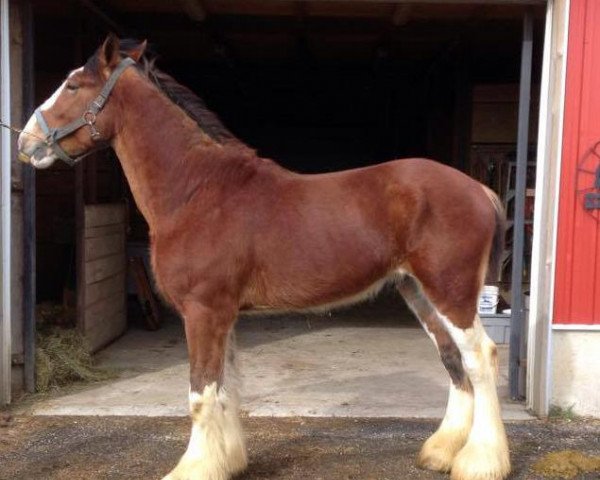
column 72, row 87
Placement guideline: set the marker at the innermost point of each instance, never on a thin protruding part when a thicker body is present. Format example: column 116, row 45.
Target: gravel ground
column 37, row 448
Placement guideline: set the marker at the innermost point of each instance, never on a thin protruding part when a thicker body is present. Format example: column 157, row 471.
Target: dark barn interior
column 316, row 85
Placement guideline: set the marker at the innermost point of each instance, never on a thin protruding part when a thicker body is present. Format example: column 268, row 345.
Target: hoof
column 238, row 461
column 439, row 451
column 235, row 447
column 195, row 469
column 481, row 462
column 223, row 468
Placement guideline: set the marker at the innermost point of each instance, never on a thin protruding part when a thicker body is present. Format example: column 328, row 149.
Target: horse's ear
column 137, row 51
column 110, row 51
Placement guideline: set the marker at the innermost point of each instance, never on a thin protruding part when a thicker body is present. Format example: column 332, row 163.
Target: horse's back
column 407, row 194
column 331, row 235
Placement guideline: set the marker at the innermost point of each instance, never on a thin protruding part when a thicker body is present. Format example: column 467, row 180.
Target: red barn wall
column 577, row 281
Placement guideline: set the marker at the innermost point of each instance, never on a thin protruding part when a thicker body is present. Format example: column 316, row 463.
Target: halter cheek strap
column 53, row 135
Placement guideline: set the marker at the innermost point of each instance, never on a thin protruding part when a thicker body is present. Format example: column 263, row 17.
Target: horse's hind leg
column 441, row 448
column 485, row 455
column 216, row 449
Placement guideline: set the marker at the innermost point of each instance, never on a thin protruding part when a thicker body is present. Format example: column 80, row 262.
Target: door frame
column 549, row 159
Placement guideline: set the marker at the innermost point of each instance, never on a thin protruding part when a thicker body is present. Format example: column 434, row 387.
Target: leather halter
column 53, row 135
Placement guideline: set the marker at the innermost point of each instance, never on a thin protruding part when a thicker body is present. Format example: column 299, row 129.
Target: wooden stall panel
column 103, row 317
column 577, row 285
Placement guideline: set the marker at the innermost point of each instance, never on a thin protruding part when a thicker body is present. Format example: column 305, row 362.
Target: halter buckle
column 99, row 102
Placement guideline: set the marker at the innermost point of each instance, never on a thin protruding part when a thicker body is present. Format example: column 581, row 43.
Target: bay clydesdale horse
column 231, row 231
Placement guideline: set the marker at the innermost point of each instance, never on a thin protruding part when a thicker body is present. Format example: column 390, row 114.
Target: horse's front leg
column 216, row 450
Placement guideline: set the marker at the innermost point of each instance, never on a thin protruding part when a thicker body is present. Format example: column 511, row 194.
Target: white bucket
column 488, row 300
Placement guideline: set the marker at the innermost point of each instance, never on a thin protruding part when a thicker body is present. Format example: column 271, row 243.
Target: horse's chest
column 186, row 263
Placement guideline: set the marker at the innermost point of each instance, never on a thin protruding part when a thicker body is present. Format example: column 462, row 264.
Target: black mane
column 182, row 96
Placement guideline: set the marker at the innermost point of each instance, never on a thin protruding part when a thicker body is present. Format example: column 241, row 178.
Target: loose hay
column 62, row 356
column 566, row 464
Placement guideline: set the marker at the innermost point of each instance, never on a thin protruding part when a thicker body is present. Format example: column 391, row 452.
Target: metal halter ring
column 89, row 117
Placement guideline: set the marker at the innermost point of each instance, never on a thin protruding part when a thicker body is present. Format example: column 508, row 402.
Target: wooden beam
column 515, row 366
column 79, row 201
column 105, row 16
column 194, row 9
column 438, row 2
column 543, row 256
column 5, row 230
column 401, row 15
column 226, row 24
column 29, row 204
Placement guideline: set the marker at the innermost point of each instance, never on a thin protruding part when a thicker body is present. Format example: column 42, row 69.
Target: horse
column 233, row 232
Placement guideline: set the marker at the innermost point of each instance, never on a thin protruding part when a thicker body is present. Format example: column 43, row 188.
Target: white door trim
column 543, row 258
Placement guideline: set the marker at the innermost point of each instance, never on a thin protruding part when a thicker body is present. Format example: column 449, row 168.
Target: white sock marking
column 486, row 453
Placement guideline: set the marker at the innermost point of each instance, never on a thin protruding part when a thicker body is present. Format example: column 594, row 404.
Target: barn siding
column 103, row 316
column 577, row 287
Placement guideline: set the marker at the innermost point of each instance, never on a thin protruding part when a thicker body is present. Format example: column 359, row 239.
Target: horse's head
column 78, row 117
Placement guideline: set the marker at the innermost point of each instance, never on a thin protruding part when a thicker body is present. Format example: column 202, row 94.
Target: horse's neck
column 164, row 154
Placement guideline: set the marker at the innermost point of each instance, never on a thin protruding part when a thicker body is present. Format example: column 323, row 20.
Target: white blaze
column 51, row 100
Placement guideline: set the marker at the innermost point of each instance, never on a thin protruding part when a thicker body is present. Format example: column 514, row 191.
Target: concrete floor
column 370, row 361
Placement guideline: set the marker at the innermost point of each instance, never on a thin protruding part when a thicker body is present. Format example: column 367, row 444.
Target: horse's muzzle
column 38, row 156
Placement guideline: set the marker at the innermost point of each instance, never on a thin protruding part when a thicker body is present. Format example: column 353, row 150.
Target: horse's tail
column 497, row 248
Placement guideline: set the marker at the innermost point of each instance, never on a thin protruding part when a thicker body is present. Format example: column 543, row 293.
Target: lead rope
column 18, row 130
column 21, row 156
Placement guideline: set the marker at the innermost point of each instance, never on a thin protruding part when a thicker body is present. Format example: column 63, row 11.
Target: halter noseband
column 53, row 135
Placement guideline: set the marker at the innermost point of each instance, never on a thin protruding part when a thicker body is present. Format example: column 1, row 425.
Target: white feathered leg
column 485, row 455
column 216, row 449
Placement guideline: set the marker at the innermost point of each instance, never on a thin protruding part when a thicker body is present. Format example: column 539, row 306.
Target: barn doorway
column 317, row 86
